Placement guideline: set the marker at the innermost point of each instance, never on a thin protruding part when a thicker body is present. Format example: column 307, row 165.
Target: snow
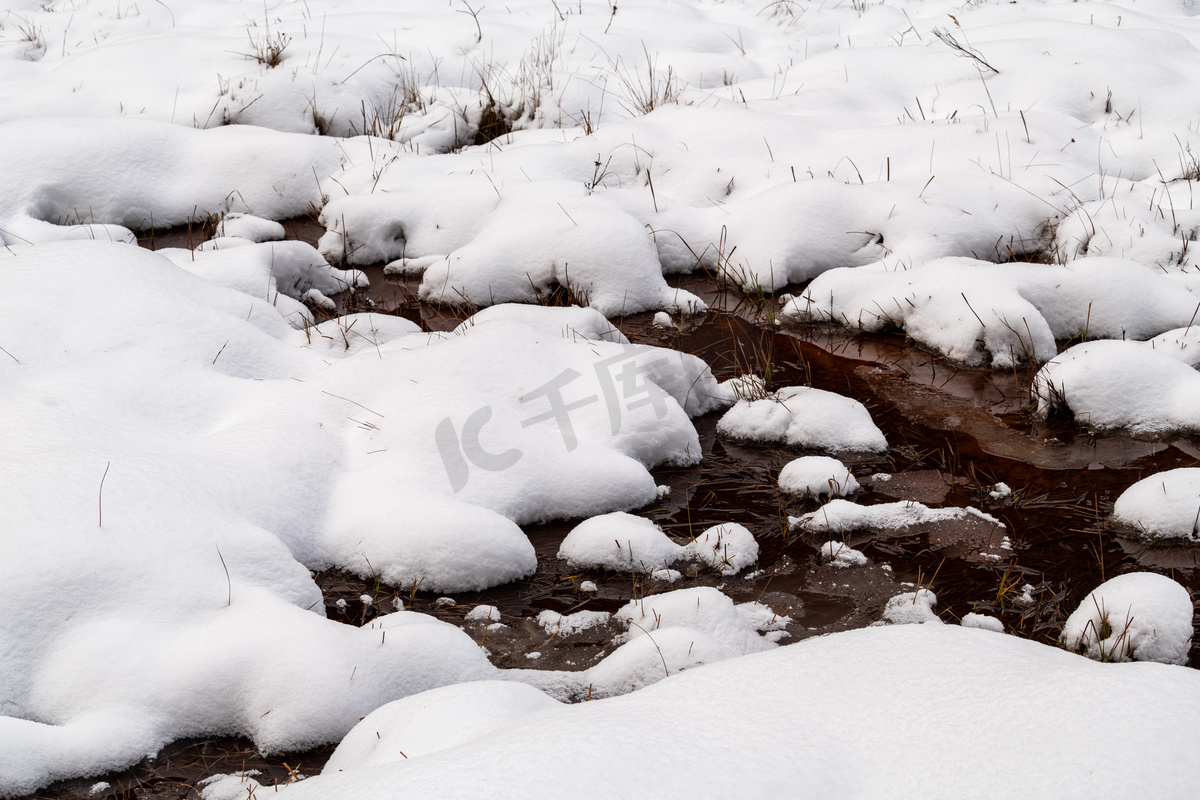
column 435, row 720
column 185, row 443
column 727, row 548
column 1162, row 506
column 965, row 681
column 557, row 624
column 984, row 622
column 912, row 608
column 1139, row 615
column 839, row 516
column 841, row 555
column 483, row 613
column 620, row 542
column 1121, row 385
column 816, row 476
column 802, row 416
column 175, row 388
column 702, row 609
column 1000, row 491
column 980, row 314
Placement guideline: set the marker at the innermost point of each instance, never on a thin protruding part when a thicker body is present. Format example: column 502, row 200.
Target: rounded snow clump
column 483, row 614
column 804, row 417
column 726, row 548
column 911, row 608
column 620, row 542
column 1163, row 506
column 983, row 622
column 1141, row 616
column 816, row 476
column 841, row 555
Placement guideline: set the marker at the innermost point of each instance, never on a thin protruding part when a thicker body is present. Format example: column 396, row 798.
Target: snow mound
column 557, row 624
column 620, row 542
column 728, row 548
column 1141, row 616
column 841, row 555
column 702, row 608
column 804, row 417
column 912, row 608
column 162, row 175
column 1128, row 385
column 817, row 476
column 248, row 226
column 968, row 681
column 1163, row 506
column 529, row 241
column 978, row 313
column 482, row 613
column 435, row 720
column 838, row 516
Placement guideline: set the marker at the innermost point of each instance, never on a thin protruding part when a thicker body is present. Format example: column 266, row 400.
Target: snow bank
column 966, row 681
column 817, row 476
column 981, row 314
column 1140, row 616
column 1163, row 506
column 804, row 417
column 102, row 178
column 151, row 472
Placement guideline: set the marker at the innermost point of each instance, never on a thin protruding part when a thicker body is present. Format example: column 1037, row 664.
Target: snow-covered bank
column 179, row 455
column 856, row 696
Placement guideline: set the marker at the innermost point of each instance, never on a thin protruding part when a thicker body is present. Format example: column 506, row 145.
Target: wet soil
column 953, row 434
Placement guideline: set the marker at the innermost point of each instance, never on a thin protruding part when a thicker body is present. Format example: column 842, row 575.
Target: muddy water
column 953, row 435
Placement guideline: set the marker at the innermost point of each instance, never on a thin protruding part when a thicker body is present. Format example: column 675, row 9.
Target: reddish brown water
column 953, row 435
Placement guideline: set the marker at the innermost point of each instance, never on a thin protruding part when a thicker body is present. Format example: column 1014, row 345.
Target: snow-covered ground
column 190, row 433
